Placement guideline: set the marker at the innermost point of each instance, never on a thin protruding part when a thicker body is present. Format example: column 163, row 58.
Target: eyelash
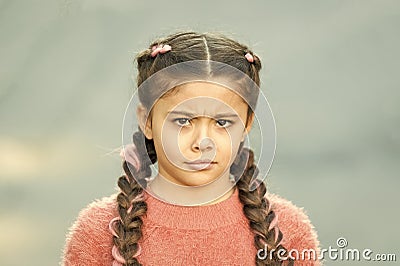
column 187, row 119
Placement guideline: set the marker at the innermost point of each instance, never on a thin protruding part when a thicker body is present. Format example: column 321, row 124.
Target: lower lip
column 200, row 166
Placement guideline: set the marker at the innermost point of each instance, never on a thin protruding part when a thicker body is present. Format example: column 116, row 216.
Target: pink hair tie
column 160, row 49
column 139, row 197
column 111, row 226
column 249, row 57
column 117, row 256
column 116, row 263
column 277, row 235
column 130, row 154
column 138, row 252
column 274, row 222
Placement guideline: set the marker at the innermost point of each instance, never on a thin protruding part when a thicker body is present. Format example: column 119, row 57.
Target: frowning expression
column 197, row 130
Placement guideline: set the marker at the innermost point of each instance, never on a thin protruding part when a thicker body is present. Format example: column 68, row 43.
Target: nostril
column 206, row 143
column 203, row 144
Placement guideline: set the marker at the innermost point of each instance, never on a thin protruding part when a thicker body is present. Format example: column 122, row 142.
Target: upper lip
column 203, row 161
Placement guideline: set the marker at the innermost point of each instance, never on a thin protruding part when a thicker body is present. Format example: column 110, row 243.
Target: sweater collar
column 223, row 213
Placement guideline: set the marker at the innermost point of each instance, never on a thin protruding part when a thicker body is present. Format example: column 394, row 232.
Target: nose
column 204, row 144
column 202, row 141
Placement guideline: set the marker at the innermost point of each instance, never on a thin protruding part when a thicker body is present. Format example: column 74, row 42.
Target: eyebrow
column 194, row 115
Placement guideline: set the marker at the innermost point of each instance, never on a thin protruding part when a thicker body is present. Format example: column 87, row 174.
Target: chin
column 199, row 179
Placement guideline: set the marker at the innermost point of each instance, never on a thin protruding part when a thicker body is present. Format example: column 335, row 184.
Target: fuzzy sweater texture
column 217, row 234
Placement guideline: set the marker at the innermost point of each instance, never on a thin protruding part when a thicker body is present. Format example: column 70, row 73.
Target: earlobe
column 141, row 113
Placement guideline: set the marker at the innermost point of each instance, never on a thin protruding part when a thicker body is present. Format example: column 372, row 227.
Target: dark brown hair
column 187, row 46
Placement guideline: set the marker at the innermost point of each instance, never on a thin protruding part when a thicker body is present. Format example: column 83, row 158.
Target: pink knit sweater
column 216, row 234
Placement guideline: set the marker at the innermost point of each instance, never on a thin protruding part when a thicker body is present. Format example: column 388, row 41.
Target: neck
column 208, row 194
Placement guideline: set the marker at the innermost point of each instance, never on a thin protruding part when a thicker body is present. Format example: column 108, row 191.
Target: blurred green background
column 330, row 72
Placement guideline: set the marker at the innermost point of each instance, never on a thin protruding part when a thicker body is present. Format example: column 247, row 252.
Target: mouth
column 201, row 165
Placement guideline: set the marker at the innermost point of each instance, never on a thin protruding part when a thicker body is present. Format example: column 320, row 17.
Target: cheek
column 228, row 142
column 236, row 133
column 184, row 143
column 235, row 137
column 171, row 143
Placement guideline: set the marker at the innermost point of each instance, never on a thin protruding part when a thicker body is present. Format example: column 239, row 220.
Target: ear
column 144, row 122
column 250, row 121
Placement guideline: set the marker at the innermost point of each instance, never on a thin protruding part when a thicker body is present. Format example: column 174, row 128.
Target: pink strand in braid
column 129, row 153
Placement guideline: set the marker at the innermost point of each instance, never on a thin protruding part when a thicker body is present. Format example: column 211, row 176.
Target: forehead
column 203, row 94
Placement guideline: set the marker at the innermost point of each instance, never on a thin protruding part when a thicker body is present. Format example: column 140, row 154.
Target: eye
column 223, row 122
column 182, row 121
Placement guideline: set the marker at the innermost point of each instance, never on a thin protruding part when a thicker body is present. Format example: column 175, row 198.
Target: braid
column 131, row 204
column 257, row 208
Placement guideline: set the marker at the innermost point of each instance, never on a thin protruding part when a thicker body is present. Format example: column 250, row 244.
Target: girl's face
column 196, row 132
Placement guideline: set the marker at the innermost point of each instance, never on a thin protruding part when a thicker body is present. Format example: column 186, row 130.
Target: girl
column 205, row 205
